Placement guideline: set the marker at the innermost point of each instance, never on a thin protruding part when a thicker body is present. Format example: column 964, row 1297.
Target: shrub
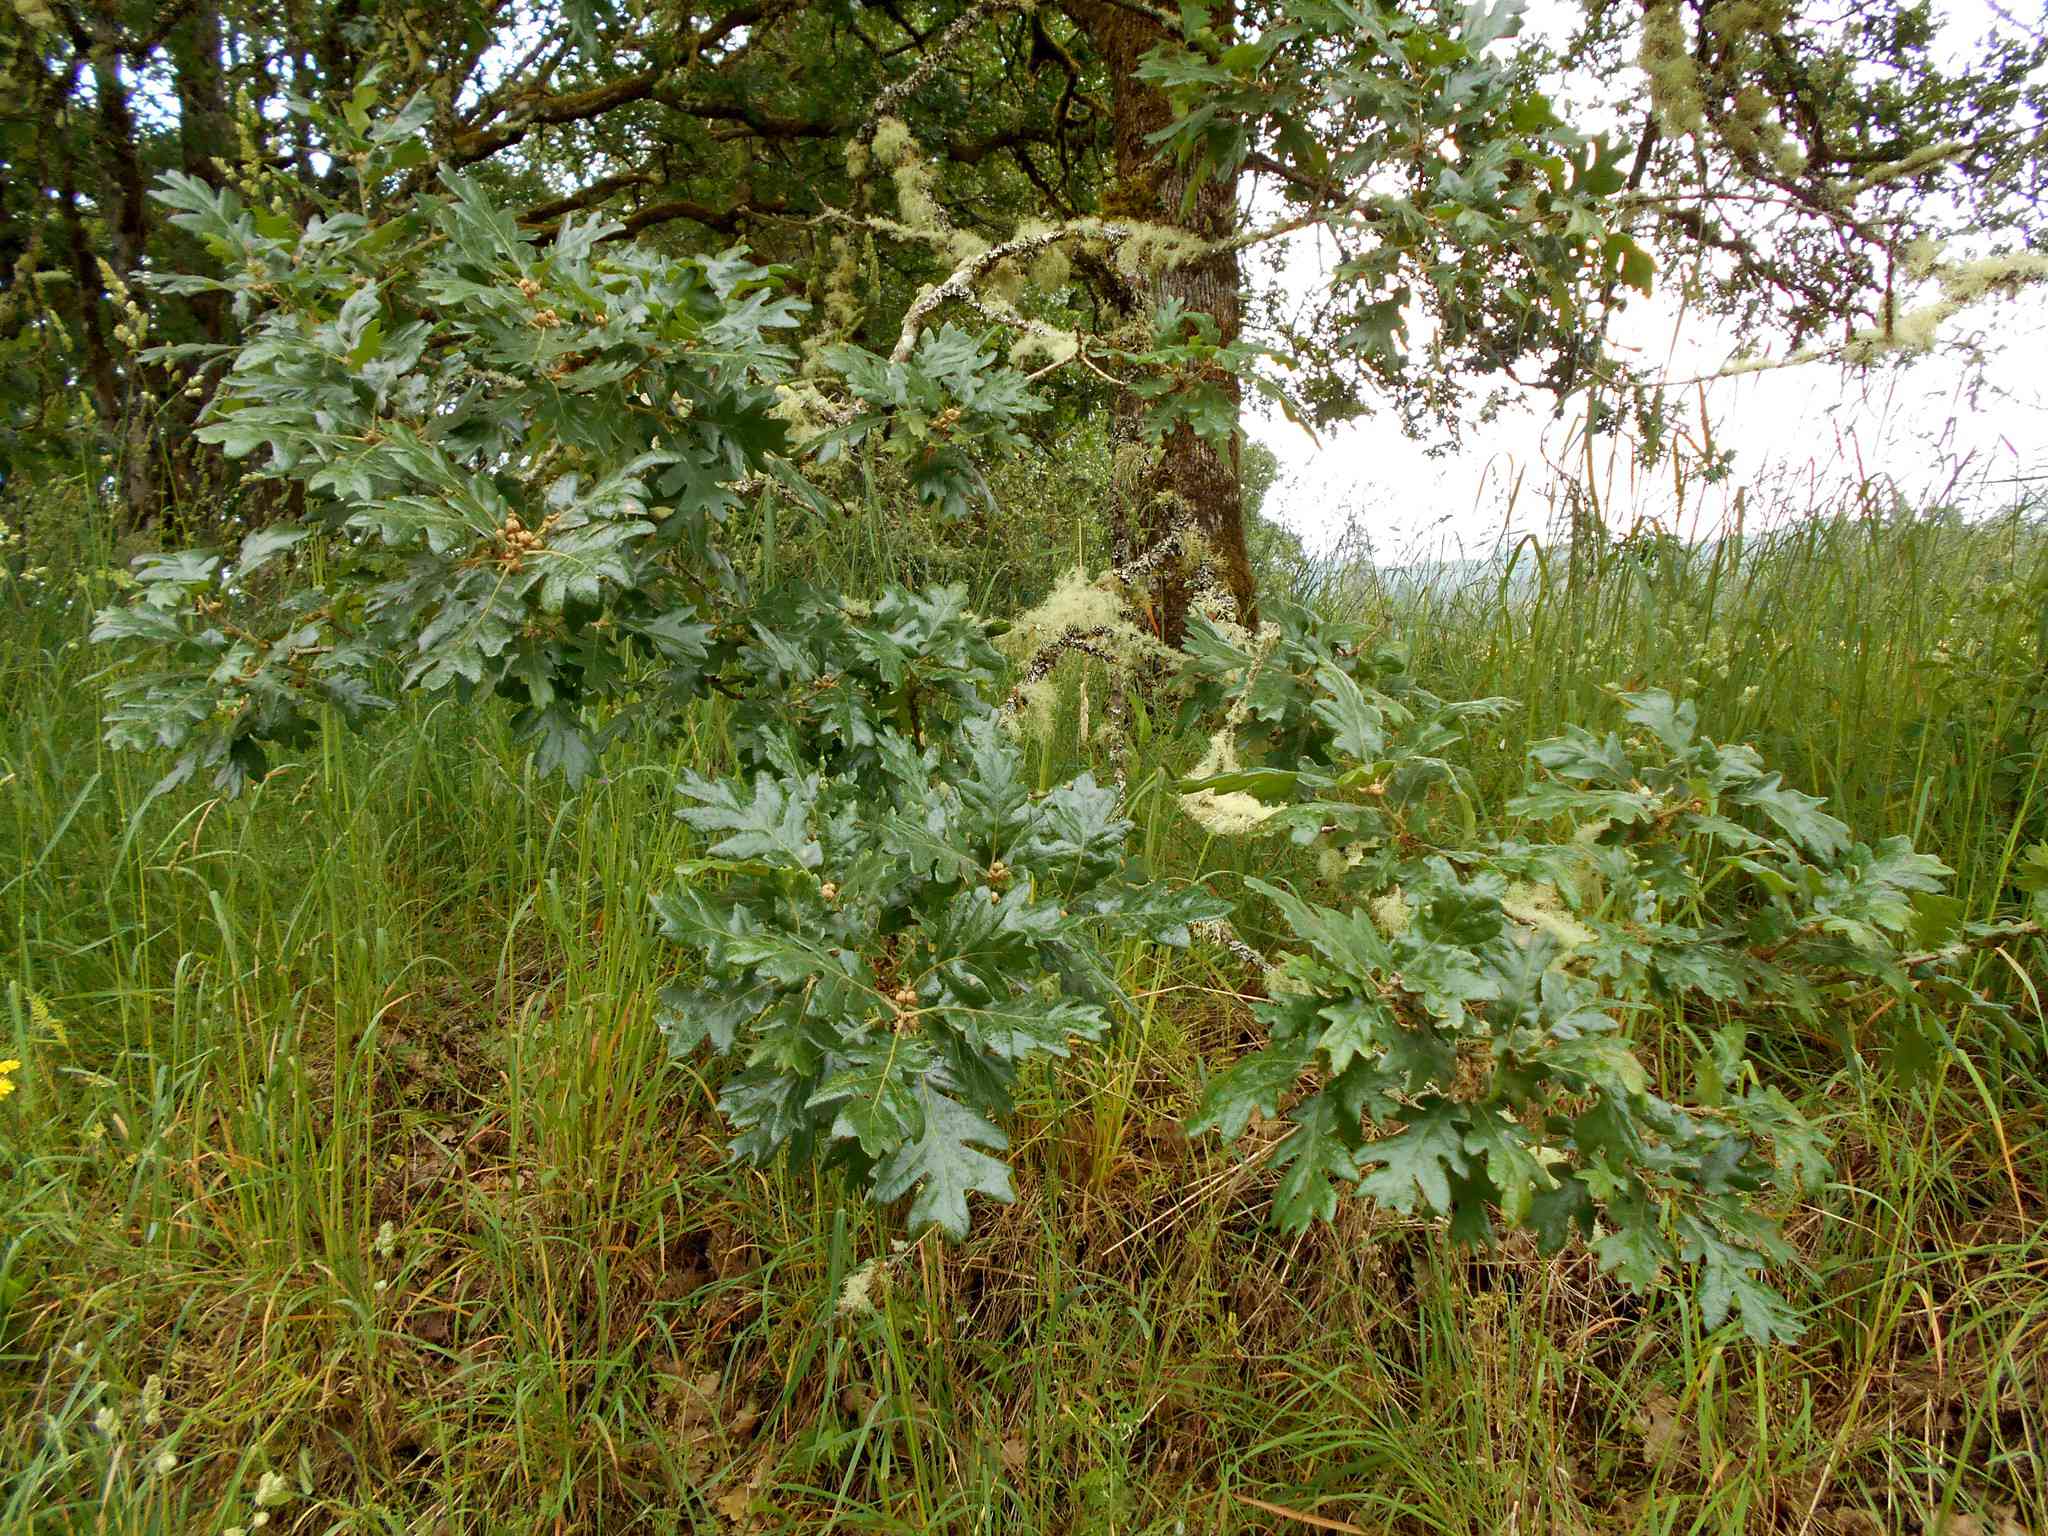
column 520, row 460
column 1470, row 997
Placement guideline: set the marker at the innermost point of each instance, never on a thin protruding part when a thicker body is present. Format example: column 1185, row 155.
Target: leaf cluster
column 1455, row 1037
column 518, row 459
column 933, row 412
column 887, row 944
column 1427, row 144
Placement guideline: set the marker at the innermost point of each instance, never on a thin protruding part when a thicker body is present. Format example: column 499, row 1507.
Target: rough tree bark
column 1189, row 484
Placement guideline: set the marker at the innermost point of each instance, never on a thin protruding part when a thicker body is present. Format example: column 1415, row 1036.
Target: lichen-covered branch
column 900, row 91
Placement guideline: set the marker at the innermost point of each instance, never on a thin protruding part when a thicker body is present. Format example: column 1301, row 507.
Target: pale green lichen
column 1541, row 908
column 839, row 299
column 916, row 179
column 1331, row 864
column 1753, row 133
column 1038, row 708
column 1917, row 330
column 1961, row 284
column 1232, row 813
column 1041, row 345
column 1076, row 603
column 1079, row 605
column 1005, row 282
column 1220, row 757
column 1094, row 618
column 1927, row 157
column 1732, row 20
column 1920, row 257
column 1010, row 278
column 1786, row 153
column 1968, row 281
column 1149, row 249
column 808, row 413
column 1666, row 57
column 893, row 142
column 1051, row 269
column 857, row 1294
column 1390, row 909
column 917, row 203
column 1910, row 334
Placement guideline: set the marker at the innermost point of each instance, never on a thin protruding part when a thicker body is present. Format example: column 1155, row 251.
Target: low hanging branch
column 1914, row 333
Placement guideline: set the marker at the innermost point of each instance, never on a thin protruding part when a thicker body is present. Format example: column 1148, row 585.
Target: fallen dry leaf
column 1658, row 1422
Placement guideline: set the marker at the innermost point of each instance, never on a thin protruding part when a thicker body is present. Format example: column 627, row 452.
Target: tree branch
column 896, row 92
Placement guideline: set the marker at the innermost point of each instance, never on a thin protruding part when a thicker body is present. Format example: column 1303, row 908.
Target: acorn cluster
column 517, row 541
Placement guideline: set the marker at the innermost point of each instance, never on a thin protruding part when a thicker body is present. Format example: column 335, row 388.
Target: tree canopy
column 1077, row 181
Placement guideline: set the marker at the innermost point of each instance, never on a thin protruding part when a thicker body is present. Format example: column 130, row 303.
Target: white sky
column 1799, row 434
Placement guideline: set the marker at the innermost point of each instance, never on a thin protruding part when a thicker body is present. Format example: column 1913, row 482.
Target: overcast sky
column 1800, row 432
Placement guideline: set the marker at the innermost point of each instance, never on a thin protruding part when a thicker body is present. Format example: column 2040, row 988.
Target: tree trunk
column 1180, row 518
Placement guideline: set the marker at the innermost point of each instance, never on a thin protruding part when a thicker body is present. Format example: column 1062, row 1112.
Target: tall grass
column 342, row 1117
column 1890, row 660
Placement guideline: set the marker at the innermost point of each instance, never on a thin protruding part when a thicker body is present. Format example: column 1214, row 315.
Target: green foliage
column 1461, row 189
column 835, row 674
column 1189, row 376
column 399, row 1008
column 292, row 1071
column 1472, row 997
column 1307, row 695
column 887, row 944
column 2032, row 879
column 520, row 457
column 948, row 398
column 216, row 692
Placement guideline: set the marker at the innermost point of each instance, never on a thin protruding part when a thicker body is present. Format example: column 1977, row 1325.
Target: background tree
column 1086, row 177
column 1278, row 556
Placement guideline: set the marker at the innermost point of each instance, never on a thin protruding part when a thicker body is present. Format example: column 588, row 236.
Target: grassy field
column 345, row 1185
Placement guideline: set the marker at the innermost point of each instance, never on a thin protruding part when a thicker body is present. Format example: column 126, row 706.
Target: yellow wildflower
column 7, row 1071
